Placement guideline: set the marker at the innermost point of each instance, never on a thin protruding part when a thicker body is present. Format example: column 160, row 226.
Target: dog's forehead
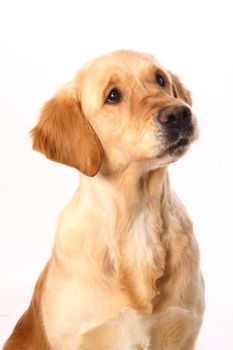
column 122, row 64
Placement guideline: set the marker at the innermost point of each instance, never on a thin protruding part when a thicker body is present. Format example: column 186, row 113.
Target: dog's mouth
column 177, row 148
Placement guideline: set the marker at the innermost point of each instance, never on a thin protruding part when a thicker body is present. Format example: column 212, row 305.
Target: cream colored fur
column 124, row 272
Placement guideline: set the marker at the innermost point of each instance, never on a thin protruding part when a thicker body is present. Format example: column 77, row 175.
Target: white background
column 42, row 44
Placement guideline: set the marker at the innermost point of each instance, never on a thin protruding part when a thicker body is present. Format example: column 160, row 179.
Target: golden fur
column 124, row 272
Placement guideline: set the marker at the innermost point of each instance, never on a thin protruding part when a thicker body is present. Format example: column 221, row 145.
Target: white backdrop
column 42, row 44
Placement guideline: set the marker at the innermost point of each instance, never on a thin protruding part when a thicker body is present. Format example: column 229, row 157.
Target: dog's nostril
column 174, row 116
column 186, row 116
column 172, row 119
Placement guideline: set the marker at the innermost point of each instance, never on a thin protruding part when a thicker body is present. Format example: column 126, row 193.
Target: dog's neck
column 131, row 210
column 129, row 190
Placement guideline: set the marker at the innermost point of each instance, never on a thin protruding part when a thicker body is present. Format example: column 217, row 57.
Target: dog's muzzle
column 177, row 126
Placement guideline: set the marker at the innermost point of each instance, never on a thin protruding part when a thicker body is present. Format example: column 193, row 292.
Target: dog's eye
column 160, row 79
column 114, row 96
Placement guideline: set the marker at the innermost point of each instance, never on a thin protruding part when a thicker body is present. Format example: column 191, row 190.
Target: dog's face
column 121, row 109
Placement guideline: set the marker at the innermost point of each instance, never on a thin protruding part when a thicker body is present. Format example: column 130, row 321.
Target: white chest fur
column 141, row 239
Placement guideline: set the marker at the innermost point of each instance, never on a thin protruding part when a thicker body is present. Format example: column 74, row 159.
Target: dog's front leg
column 175, row 329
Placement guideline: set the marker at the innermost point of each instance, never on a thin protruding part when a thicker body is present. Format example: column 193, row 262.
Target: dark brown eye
column 113, row 97
column 160, row 79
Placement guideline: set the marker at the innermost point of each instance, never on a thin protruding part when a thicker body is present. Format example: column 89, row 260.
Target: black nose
column 175, row 116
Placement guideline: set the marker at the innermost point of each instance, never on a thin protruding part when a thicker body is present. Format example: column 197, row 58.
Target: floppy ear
column 64, row 135
column 179, row 91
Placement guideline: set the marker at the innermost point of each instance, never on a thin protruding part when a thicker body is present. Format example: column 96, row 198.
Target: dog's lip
column 181, row 143
column 177, row 148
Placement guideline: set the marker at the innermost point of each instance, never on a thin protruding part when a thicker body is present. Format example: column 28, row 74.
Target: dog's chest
column 141, row 236
column 143, row 256
column 129, row 330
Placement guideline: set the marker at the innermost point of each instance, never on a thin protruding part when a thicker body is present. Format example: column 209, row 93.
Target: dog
column 124, row 272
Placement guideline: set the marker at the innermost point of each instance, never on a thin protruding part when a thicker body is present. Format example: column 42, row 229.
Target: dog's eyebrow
column 113, row 80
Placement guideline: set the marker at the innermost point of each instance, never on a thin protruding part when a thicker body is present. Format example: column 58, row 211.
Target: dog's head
column 120, row 109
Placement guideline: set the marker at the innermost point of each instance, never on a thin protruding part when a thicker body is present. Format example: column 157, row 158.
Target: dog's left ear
column 179, row 91
column 63, row 134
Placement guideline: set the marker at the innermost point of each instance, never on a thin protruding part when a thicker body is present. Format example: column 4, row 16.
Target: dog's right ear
column 64, row 135
column 180, row 91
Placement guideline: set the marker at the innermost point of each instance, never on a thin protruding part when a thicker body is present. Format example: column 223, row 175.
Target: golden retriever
column 124, row 272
